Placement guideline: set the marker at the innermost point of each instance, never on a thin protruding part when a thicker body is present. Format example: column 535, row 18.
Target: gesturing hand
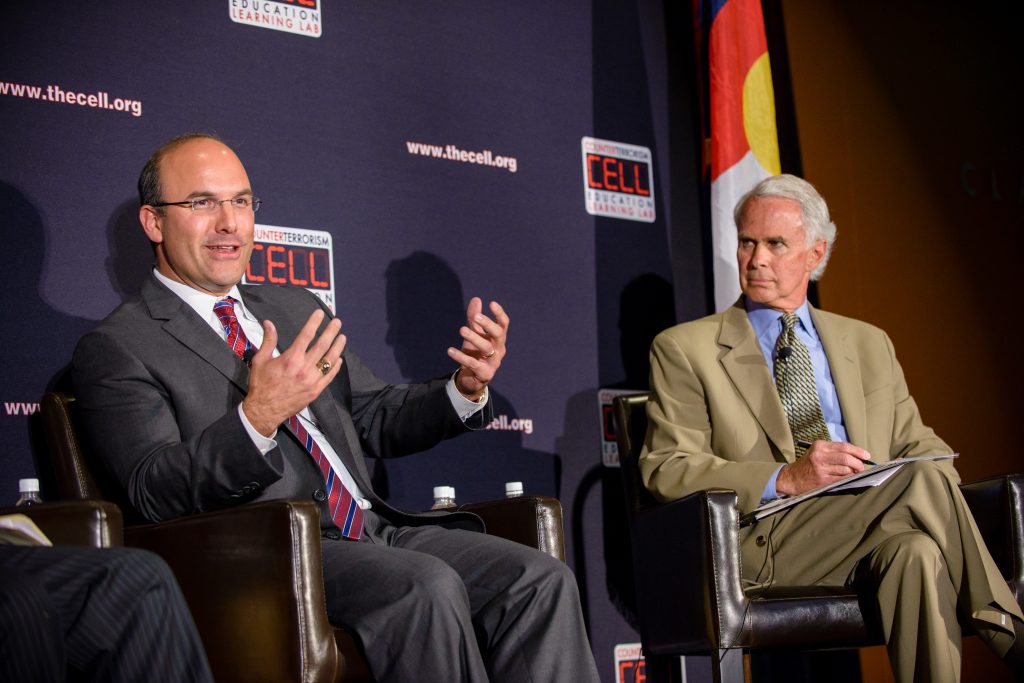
column 280, row 387
column 823, row 463
column 483, row 347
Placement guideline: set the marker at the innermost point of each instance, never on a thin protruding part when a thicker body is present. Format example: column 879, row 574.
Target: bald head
column 149, row 179
column 207, row 249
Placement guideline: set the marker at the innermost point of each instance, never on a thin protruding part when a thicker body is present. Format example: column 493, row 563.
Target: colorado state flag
column 744, row 144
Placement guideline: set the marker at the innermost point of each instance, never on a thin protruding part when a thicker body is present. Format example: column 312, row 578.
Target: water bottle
column 28, row 490
column 444, row 498
column 513, row 489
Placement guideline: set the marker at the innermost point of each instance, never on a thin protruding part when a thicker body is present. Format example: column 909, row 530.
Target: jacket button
column 332, row 534
column 320, row 495
column 760, row 541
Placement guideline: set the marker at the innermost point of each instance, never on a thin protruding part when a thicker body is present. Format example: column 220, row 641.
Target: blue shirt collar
column 765, row 320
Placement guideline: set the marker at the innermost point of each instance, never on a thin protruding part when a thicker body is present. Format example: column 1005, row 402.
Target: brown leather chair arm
column 254, row 583
column 93, row 523
column 535, row 521
column 686, row 559
column 998, row 508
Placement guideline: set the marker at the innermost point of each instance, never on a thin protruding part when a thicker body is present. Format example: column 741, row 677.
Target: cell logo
column 301, row 17
column 618, row 180
column 292, row 256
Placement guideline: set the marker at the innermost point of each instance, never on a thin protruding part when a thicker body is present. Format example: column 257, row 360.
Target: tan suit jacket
column 716, row 420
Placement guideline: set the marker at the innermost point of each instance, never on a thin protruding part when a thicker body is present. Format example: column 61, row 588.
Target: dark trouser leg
column 434, row 604
column 31, row 636
column 122, row 613
column 524, row 604
column 410, row 611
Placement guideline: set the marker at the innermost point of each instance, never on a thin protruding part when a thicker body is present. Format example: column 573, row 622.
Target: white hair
column 814, row 211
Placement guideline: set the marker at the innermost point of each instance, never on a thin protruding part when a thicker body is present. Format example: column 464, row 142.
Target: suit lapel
column 182, row 323
column 287, row 325
column 845, row 367
column 744, row 363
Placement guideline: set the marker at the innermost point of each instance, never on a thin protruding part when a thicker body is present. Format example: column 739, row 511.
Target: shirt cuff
column 770, row 493
column 463, row 406
column 264, row 443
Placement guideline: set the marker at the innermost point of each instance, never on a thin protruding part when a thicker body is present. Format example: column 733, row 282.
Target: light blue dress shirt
column 767, row 324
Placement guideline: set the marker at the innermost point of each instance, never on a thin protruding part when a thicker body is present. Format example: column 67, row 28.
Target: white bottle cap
column 451, row 492
column 441, row 492
column 27, row 485
column 513, row 488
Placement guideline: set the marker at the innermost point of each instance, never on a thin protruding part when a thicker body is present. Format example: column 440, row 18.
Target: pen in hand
column 807, row 444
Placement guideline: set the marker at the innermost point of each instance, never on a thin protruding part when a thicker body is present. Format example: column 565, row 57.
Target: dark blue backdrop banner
column 409, row 156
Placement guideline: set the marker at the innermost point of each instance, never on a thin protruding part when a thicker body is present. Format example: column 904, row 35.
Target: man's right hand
column 823, row 463
column 280, row 387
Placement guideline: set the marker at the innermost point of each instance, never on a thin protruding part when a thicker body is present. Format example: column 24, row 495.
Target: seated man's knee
column 910, row 548
column 557, row 573
column 434, row 583
column 929, row 470
column 548, row 579
column 141, row 568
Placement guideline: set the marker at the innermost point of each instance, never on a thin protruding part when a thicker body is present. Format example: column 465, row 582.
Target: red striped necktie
column 343, row 507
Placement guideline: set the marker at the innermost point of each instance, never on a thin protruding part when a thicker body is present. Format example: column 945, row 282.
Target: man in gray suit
column 188, row 423
column 774, row 397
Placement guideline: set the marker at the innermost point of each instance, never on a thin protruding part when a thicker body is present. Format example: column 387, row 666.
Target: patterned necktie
column 344, row 508
column 794, row 378
column 225, row 310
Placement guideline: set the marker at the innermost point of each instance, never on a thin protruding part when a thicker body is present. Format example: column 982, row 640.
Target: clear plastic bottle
column 444, row 498
column 28, row 490
column 513, row 489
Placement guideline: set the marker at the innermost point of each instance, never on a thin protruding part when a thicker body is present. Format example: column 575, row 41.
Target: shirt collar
column 765, row 320
column 202, row 302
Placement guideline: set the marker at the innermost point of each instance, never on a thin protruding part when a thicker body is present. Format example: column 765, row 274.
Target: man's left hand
column 483, row 347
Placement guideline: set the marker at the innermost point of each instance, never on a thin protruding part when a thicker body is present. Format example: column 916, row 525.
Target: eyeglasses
column 209, row 204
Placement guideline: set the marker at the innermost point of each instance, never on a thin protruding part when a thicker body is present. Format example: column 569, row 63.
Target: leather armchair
column 690, row 600
column 535, row 521
column 252, row 574
column 94, row 523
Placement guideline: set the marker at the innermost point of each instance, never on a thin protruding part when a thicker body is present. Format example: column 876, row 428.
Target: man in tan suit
column 718, row 420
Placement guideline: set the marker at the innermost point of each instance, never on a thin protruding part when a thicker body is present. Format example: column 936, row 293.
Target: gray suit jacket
column 716, row 420
column 158, row 392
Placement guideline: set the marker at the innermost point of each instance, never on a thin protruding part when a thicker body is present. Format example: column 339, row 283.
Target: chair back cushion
column 63, row 458
column 630, row 432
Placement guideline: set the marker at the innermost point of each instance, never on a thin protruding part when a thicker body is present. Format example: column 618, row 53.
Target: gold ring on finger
column 324, row 366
